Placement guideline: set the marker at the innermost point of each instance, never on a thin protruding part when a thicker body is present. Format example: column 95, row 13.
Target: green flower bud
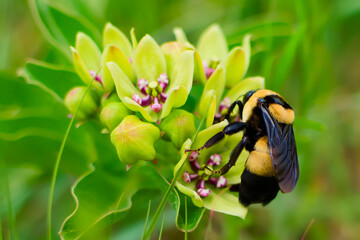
column 178, row 127
column 113, row 113
column 134, row 140
column 88, row 107
column 108, row 98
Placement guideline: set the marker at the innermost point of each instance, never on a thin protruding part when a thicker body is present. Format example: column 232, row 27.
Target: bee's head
column 277, row 106
column 247, row 96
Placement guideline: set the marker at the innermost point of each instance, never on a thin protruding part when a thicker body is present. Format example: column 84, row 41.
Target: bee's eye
column 261, row 100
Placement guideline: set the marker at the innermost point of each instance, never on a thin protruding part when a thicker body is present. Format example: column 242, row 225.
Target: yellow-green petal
column 234, row 174
column 180, row 35
column 199, row 72
column 235, row 66
column 113, row 36
column 183, row 72
column 247, row 50
column 133, row 39
column 149, row 61
column 251, row 83
column 89, row 51
column 216, row 82
column 187, row 190
column 83, row 71
column 124, row 86
column 146, row 112
column 197, row 200
column 114, row 54
column 212, row 44
column 205, row 135
column 176, row 98
column 222, row 201
column 172, row 51
column 209, row 98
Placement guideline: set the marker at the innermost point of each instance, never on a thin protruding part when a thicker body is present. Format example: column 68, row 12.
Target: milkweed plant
column 154, row 100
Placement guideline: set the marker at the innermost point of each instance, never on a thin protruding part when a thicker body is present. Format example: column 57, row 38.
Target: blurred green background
column 308, row 51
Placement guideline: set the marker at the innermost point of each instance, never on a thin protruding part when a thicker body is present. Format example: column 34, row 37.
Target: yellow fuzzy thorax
column 281, row 114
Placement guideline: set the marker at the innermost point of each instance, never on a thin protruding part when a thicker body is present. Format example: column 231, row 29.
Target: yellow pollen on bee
column 259, row 161
column 262, row 145
column 281, row 114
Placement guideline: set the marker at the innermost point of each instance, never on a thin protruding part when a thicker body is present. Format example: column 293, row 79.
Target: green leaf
column 212, row 44
column 55, row 80
column 59, row 157
column 287, row 59
column 149, row 60
column 103, row 193
column 194, row 214
column 31, row 119
column 60, row 26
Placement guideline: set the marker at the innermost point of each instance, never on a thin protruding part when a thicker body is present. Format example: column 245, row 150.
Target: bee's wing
column 283, row 151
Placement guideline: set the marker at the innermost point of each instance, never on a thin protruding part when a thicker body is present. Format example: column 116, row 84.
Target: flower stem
column 13, row 230
column 147, row 218
column 162, row 226
column 186, row 223
column 161, row 206
column 58, row 159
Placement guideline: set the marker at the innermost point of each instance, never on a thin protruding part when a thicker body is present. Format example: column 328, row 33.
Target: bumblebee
column 268, row 136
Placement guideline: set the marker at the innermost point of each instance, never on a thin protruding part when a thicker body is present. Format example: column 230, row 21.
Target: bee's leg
column 230, row 129
column 233, row 157
column 231, row 108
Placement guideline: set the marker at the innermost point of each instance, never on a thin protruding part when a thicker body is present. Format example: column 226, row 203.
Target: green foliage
column 56, row 80
column 307, row 51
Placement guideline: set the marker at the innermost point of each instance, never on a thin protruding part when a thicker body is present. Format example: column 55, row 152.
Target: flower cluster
column 197, row 178
column 204, row 173
column 137, row 88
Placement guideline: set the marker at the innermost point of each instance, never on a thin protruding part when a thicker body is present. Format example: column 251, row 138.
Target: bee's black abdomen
column 257, row 189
